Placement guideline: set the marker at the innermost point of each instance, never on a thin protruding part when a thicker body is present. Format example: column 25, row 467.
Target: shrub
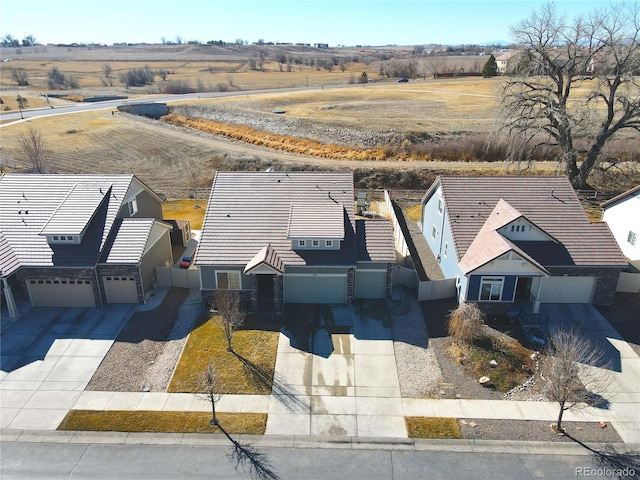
column 138, row 77
column 178, row 87
column 466, row 323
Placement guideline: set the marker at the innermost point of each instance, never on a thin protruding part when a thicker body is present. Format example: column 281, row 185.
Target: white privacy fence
column 403, row 275
column 178, row 277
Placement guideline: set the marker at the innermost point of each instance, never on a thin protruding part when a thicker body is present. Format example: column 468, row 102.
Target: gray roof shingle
column 375, row 241
column 129, row 241
column 248, row 210
column 28, row 202
column 548, row 202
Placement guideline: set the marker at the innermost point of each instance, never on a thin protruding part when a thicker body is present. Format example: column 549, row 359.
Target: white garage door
column 61, row 292
column 120, row 289
column 371, row 284
column 317, row 289
column 567, row 289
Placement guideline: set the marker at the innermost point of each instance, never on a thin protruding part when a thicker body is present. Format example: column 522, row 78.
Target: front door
column 265, row 288
column 523, row 289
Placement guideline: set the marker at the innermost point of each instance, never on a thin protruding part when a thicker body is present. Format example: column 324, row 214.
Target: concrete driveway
column 47, row 358
column 346, row 385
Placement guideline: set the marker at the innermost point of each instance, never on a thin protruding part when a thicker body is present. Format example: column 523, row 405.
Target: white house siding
column 623, row 217
column 442, row 245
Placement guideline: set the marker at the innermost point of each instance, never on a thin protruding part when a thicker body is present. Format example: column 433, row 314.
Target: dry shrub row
column 416, row 146
column 283, row 143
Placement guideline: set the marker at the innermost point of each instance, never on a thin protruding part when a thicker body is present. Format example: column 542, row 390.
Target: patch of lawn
column 208, row 341
column 185, row 210
column 415, row 212
column 432, row 427
column 165, row 422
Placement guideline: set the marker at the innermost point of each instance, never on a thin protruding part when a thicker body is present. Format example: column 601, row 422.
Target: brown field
column 161, row 154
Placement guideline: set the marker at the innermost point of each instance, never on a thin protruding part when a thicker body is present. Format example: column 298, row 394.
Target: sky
column 336, row 22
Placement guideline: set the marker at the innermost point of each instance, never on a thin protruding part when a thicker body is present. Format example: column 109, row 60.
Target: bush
column 138, row 77
column 178, row 87
column 466, row 323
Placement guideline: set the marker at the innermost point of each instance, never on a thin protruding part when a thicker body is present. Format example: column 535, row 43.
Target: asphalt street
column 23, row 460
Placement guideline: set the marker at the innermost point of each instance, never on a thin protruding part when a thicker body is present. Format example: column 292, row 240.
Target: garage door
column 61, row 293
column 317, row 289
column 120, row 289
column 371, row 284
column 567, row 289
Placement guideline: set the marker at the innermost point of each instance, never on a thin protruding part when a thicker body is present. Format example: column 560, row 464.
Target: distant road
column 9, row 117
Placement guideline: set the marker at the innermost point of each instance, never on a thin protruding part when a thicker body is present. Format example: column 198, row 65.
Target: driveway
column 346, row 383
column 47, row 358
column 624, row 392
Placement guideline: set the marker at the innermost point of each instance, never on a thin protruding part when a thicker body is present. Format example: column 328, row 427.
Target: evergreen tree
column 490, row 68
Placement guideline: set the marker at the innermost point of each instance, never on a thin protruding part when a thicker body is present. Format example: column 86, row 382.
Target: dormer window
column 133, row 207
column 59, row 239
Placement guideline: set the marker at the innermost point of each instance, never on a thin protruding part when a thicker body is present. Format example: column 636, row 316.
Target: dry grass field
column 162, row 154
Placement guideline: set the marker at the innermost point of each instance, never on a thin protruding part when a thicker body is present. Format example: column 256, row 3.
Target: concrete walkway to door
column 346, row 385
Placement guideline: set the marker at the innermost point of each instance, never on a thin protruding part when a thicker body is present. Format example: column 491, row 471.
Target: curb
column 318, row 442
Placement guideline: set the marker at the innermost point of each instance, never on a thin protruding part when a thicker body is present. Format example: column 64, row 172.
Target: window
column 55, row 238
column 302, row 243
column 446, row 249
column 440, row 206
column 434, row 232
column 133, row 207
column 228, row 280
column 491, row 289
column 315, row 243
column 328, row 243
column 632, row 238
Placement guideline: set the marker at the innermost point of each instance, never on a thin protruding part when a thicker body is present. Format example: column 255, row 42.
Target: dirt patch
column 534, row 430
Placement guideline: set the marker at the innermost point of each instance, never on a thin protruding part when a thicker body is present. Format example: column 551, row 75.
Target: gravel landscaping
column 144, row 354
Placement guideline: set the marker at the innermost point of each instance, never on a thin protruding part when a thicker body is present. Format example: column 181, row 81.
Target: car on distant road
column 403, row 80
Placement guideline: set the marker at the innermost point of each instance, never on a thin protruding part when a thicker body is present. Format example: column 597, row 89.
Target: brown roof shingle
column 548, row 202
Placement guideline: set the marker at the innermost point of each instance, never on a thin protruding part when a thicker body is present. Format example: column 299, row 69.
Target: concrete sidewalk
column 349, row 390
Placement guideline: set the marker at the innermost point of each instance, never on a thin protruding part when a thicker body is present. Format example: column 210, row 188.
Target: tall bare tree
column 209, row 386
column 574, row 79
column 435, row 64
column 231, row 314
column 34, row 148
column 573, row 372
column 107, row 71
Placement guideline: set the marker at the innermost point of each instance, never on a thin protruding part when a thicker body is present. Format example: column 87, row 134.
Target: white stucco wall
column 622, row 218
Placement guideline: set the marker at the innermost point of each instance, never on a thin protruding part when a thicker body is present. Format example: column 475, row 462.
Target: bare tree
column 34, row 148
column 20, row 76
column 22, row 102
column 435, row 64
column 209, row 386
column 231, row 314
column 107, row 72
column 573, row 372
column 544, row 101
column 465, row 323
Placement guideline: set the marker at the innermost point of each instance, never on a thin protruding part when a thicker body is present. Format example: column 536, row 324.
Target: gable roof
column 129, row 240
column 32, row 206
column 550, row 203
column 266, row 257
column 622, row 197
column 248, row 210
column 375, row 241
